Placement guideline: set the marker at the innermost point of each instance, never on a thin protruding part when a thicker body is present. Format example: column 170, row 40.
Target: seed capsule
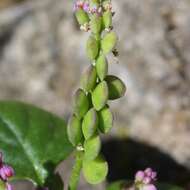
column 92, row 148
column 81, row 16
column 105, row 120
column 90, row 123
column 100, row 96
column 81, row 103
column 95, row 171
column 88, row 80
column 96, row 24
column 74, row 130
column 92, row 47
column 108, row 42
column 107, row 19
column 116, row 87
column 102, row 67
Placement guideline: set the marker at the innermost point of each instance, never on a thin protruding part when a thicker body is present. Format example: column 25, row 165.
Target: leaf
column 82, row 17
column 33, row 141
column 88, row 80
column 95, row 171
column 74, row 130
column 100, row 96
column 118, row 185
column 92, row 148
column 102, row 67
column 81, row 103
column 116, row 87
column 92, row 47
column 90, row 123
column 2, row 185
column 108, row 42
column 105, row 120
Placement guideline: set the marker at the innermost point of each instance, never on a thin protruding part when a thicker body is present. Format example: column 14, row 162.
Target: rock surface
column 42, row 56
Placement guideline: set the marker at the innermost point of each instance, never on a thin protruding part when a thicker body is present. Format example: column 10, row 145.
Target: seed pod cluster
column 91, row 113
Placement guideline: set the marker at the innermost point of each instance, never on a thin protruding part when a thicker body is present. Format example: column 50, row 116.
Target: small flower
column 86, row 7
column 9, row 186
column 139, row 176
column 149, row 187
column 6, row 172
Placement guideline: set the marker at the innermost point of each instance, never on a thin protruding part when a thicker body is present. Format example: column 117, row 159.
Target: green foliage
column 95, row 171
column 100, row 96
column 33, row 142
column 116, row 87
column 2, row 186
column 74, row 130
column 81, row 103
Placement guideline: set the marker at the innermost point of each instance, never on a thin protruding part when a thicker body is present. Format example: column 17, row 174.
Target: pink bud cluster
column 6, row 172
column 82, row 4
column 144, row 180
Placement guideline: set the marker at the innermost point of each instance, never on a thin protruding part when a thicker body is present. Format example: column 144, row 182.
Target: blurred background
column 42, row 55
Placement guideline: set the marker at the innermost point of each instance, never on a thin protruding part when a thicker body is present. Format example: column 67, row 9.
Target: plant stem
column 75, row 174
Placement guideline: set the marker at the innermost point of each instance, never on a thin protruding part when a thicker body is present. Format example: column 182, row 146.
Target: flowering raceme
column 144, row 180
column 6, row 172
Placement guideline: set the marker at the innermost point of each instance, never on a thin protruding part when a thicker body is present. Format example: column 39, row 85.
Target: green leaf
column 81, row 103
column 2, row 185
column 33, row 141
column 81, row 16
column 108, row 42
column 92, row 47
column 105, row 120
column 74, row 130
column 90, row 123
column 92, row 148
column 88, row 80
column 96, row 24
column 95, row 171
column 116, row 87
column 102, row 67
column 100, row 95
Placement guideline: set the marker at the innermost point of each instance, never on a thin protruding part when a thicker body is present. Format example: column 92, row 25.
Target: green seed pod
column 92, row 47
column 100, row 96
column 102, row 67
column 116, row 87
column 108, row 42
column 105, row 120
column 81, row 103
column 81, row 16
column 95, row 171
column 90, row 124
column 107, row 19
column 96, row 24
column 74, row 130
column 88, row 80
column 92, row 148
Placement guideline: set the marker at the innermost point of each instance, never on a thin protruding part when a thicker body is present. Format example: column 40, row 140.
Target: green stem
column 75, row 174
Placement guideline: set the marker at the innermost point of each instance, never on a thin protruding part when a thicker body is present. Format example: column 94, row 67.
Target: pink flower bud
column 9, row 187
column 149, row 187
column 6, row 172
column 139, row 176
